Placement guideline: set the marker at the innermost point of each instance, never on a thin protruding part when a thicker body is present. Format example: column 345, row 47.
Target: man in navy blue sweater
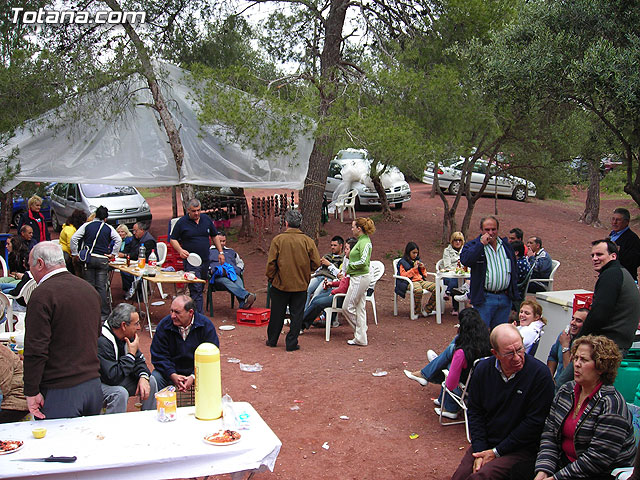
column 177, row 337
column 509, row 400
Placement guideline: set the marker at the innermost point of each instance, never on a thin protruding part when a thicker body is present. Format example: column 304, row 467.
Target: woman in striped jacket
column 588, row 431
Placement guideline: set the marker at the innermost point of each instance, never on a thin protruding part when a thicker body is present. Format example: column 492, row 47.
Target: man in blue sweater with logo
column 509, row 400
column 174, row 345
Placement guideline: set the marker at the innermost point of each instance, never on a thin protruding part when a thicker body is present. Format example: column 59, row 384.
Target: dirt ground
column 327, row 380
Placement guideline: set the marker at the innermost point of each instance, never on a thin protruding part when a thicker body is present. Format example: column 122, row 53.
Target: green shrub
column 614, row 181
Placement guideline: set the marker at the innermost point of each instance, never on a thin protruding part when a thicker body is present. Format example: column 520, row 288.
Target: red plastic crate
column 254, row 317
column 582, row 300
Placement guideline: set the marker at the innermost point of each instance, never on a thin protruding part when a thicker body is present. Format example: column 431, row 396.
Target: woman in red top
column 411, row 267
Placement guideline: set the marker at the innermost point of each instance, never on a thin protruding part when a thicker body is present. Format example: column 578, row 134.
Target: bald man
column 509, row 399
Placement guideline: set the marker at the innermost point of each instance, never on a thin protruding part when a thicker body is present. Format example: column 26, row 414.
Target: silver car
column 398, row 192
column 503, row 184
column 125, row 204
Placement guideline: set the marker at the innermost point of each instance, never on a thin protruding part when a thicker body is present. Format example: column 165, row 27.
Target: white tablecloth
column 135, row 445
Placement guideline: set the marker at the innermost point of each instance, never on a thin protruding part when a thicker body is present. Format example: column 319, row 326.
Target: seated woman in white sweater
column 531, row 323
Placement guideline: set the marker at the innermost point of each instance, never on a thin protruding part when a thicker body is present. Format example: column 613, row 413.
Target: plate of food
column 223, row 437
column 10, row 446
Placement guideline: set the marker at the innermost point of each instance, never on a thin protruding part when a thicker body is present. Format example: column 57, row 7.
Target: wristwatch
column 565, row 349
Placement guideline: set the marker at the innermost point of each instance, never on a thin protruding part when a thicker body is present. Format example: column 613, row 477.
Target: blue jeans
column 314, row 283
column 196, row 289
column 451, row 283
column 96, row 272
column 433, row 370
column 433, row 373
column 495, row 309
column 318, row 303
column 235, row 287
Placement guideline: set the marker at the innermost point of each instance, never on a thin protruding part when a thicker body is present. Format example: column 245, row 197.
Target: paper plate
column 2, row 452
column 158, row 303
column 194, row 259
column 210, row 439
column 226, row 327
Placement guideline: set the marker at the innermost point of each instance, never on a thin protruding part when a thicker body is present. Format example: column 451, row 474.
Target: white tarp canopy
column 134, row 150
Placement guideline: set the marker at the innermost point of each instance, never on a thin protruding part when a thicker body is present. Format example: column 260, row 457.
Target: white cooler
column 557, row 309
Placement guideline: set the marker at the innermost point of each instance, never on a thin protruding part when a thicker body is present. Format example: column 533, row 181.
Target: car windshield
column 98, row 190
column 346, row 155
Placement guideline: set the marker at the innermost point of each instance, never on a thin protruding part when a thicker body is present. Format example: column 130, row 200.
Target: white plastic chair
column 548, row 281
column 461, row 400
column 161, row 248
column 25, row 293
column 346, row 201
column 376, row 269
column 5, row 270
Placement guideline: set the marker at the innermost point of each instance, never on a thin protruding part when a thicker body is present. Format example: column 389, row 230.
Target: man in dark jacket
column 123, row 369
column 509, row 399
column 615, row 308
column 104, row 243
column 175, row 342
column 494, row 275
column 627, row 241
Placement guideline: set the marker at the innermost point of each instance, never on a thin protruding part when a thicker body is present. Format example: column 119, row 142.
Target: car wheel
column 16, row 218
column 519, row 193
column 398, row 206
column 55, row 224
column 454, row 187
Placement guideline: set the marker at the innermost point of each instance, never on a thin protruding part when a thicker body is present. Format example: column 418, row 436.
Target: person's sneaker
column 461, row 298
column 128, row 296
column 454, row 313
column 418, row 378
column 445, row 414
column 249, row 300
column 431, row 355
column 427, row 313
column 335, row 323
column 436, row 402
column 461, row 290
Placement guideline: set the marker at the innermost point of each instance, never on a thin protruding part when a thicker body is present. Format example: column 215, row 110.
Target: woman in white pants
column 353, row 307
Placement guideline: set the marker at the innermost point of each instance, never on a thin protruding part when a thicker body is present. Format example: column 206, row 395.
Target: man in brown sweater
column 61, row 366
column 292, row 258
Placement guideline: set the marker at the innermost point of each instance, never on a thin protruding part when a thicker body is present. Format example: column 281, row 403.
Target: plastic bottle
column 153, row 259
column 141, row 257
column 208, row 386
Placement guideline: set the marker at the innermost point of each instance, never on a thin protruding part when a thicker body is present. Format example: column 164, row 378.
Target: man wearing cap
column 191, row 234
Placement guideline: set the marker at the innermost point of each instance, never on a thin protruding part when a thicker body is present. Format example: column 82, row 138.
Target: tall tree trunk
column 592, row 204
column 6, row 211
column 311, row 199
column 159, row 103
column 384, row 203
column 174, row 202
column 245, row 228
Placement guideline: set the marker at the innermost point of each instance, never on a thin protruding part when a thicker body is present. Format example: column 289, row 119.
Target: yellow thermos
column 208, row 386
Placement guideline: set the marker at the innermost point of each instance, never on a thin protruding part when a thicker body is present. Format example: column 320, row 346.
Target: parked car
column 580, row 169
column 125, row 204
column 398, row 192
column 505, row 183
